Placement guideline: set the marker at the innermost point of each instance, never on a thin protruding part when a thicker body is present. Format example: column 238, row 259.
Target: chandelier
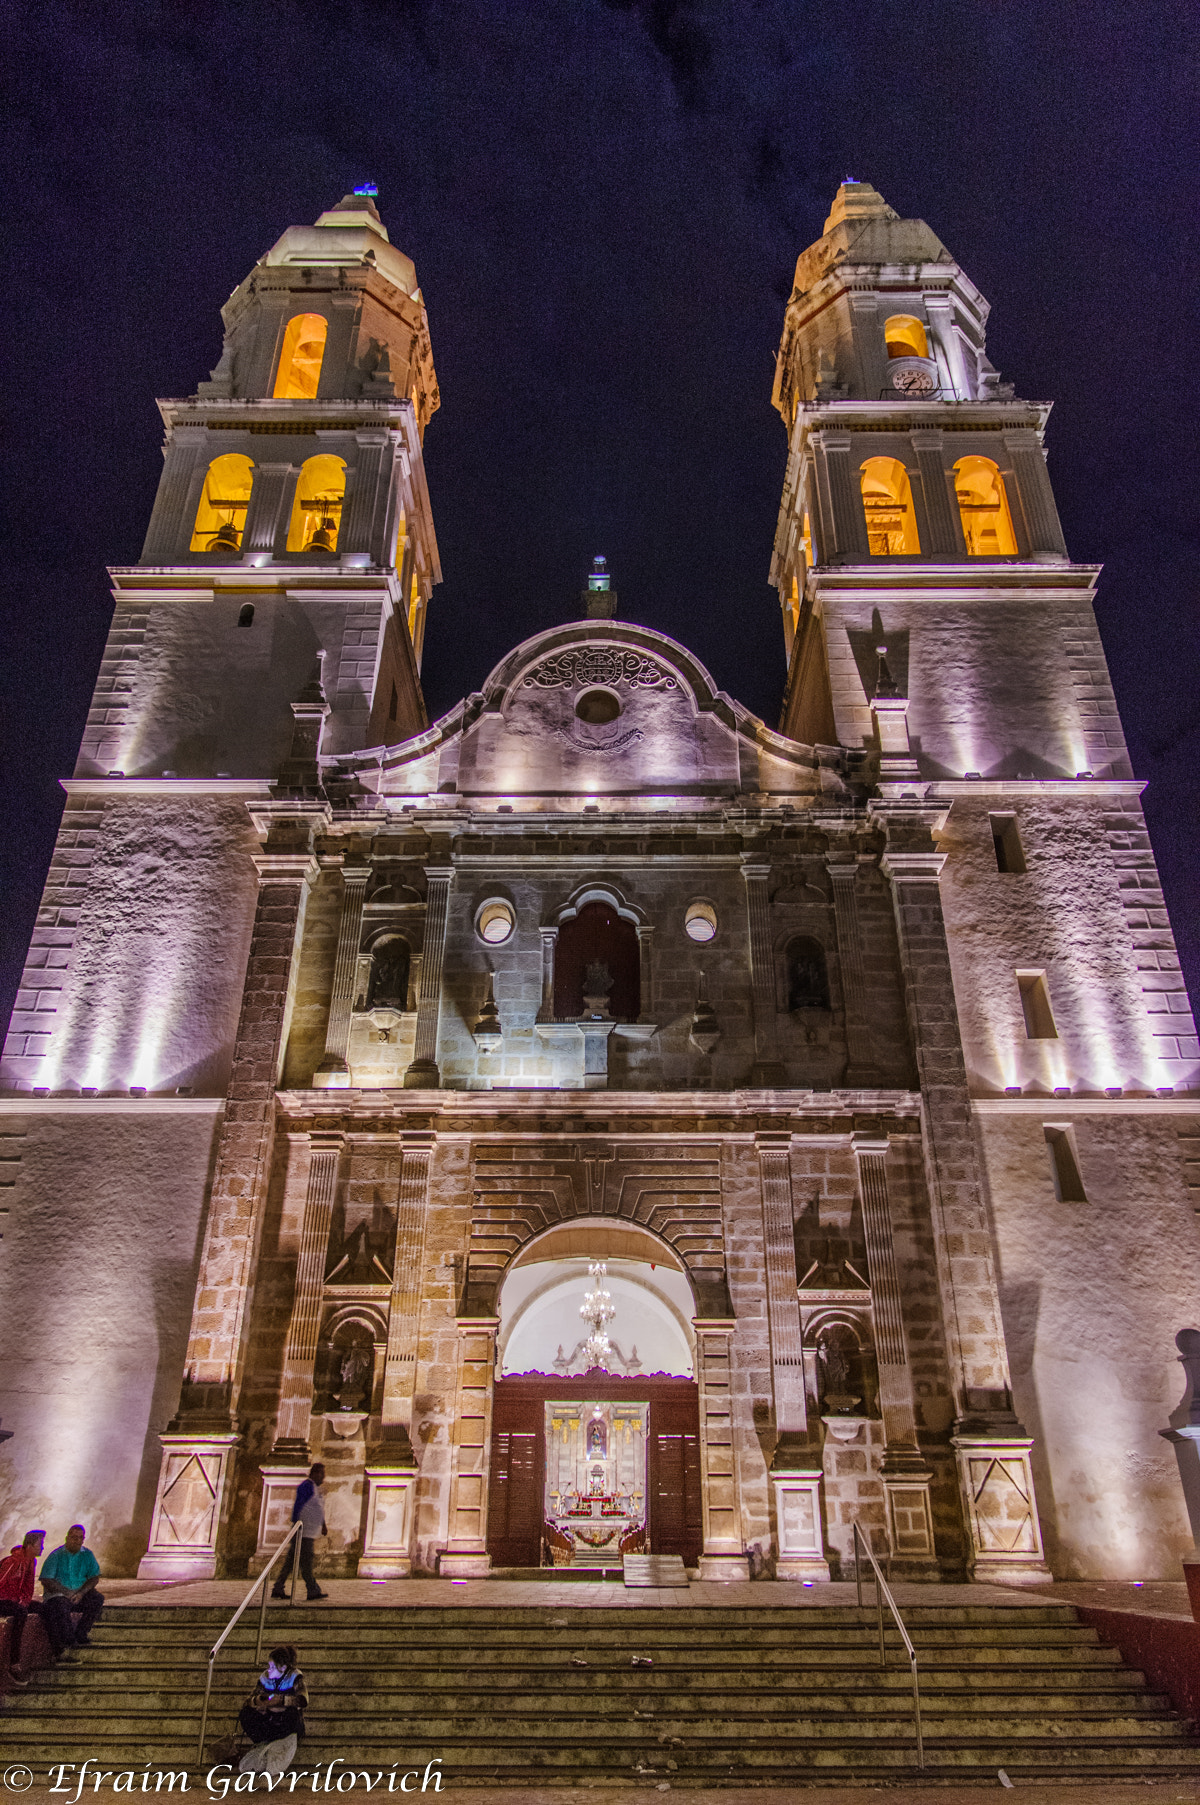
column 597, row 1309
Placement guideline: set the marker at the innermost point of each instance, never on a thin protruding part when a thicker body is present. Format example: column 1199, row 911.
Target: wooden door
column 673, row 1478
column 516, row 1482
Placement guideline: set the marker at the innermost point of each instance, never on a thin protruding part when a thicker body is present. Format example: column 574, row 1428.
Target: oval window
column 495, row 921
column 597, row 707
column 700, row 922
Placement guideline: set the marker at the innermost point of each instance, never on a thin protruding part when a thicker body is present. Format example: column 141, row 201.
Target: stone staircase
column 735, row 1696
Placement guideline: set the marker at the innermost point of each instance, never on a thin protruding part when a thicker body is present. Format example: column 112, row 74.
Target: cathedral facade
column 838, row 1078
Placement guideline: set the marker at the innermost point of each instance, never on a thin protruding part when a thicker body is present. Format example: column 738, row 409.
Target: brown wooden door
column 517, row 1481
column 673, row 1479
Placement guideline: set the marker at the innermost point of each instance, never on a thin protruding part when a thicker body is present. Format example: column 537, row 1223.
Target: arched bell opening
column 594, row 1454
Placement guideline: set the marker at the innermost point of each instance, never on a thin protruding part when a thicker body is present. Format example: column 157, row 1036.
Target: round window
column 700, row 922
column 495, row 921
column 597, row 707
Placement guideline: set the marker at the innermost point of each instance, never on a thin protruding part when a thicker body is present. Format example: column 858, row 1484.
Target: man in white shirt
column 309, row 1509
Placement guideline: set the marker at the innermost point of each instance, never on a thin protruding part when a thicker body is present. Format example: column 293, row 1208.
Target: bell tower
column 292, row 523
column 917, row 484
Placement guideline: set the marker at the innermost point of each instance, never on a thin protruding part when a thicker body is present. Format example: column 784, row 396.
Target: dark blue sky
column 604, row 200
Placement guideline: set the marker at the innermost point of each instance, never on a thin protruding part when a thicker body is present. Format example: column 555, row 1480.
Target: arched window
column 807, row 977
column 221, row 516
column 300, row 359
column 596, row 955
column 887, row 503
column 388, row 985
column 904, row 336
column 986, row 522
column 317, row 509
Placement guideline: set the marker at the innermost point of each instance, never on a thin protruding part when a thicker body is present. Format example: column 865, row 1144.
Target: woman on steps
column 274, row 1713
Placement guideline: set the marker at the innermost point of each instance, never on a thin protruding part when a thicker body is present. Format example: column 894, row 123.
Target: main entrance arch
column 589, row 1456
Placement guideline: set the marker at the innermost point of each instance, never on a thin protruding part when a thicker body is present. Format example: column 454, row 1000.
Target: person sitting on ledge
column 275, row 1709
column 69, row 1577
column 16, row 1597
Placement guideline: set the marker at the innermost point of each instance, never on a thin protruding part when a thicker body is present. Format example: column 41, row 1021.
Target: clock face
column 913, row 382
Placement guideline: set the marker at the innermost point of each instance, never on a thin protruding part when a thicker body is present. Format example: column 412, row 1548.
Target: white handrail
column 882, row 1592
column 293, row 1536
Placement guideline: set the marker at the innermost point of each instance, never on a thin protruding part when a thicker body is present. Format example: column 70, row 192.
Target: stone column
column 906, row 1478
column 945, row 532
column 645, row 934
column 423, row 1074
column 270, row 505
column 1035, row 496
column 796, row 1471
column 848, row 522
column 724, row 1555
column 174, row 517
column 364, row 504
column 333, row 1073
column 549, row 937
column 768, row 1068
column 215, row 1355
column 391, row 1470
column 939, row 311
column 465, row 1555
column 861, row 1069
column 993, row 1451
column 783, row 1308
column 300, row 1354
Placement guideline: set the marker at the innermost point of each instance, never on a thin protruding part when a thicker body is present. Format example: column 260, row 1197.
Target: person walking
column 69, row 1577
column 16, row 1596
column 273, row 1715
column 309, row 1509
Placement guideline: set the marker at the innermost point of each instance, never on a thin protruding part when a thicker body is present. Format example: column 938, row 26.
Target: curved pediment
column 594, row 707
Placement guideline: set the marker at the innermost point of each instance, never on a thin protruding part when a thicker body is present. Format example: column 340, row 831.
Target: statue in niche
column 597, row 988
column 346, row 1371
column 388, row 987
column 355, row 1373
column 839, row 1368
column 597, row 1440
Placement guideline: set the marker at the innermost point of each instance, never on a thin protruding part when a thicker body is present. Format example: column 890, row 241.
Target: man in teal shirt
column 69, row 1575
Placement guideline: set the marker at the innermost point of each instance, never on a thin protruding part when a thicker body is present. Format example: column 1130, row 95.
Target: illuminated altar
column 595, row 1476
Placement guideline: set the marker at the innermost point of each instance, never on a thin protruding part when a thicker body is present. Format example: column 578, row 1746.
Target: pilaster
column 906, row 1478
column 724, row 1556
column 465, row 1555
column 860, row 1069
column 1035, row 494
column 848, row 526
column 296, row 1392
column 333, row 1073
column 944, row 528
column 212, row 1373
column 423, row 1073
column 768, row 1069
column 783, row 1309
column 270, row 504
column 986, row 1428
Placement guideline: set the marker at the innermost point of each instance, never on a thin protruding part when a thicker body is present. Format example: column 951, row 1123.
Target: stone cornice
column 1068, row 787
column 1048, row 1106
column 22, row 1103
column 977, row 579
column 202, row 582
column 166, row 786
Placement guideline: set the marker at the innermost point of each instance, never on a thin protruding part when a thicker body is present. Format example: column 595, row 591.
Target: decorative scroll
column 599, row 664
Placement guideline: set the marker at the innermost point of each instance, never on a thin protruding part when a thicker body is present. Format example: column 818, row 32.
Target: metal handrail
column 293, row 1536
column 882, row 1592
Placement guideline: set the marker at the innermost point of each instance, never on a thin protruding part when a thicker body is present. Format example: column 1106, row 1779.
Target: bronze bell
column 226, row 538
column 325, row 537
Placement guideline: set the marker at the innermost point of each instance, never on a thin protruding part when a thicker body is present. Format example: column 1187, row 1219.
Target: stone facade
column 335, row 1019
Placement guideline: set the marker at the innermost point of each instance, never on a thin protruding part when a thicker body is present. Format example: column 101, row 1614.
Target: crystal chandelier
column 597, row 1309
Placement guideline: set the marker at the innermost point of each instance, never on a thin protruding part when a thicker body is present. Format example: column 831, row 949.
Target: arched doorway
column 591, row 1454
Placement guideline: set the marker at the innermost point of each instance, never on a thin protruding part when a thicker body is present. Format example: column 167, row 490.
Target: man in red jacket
column 16, row 1596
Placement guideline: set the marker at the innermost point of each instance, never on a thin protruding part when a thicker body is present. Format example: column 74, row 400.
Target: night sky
column 604, row 200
